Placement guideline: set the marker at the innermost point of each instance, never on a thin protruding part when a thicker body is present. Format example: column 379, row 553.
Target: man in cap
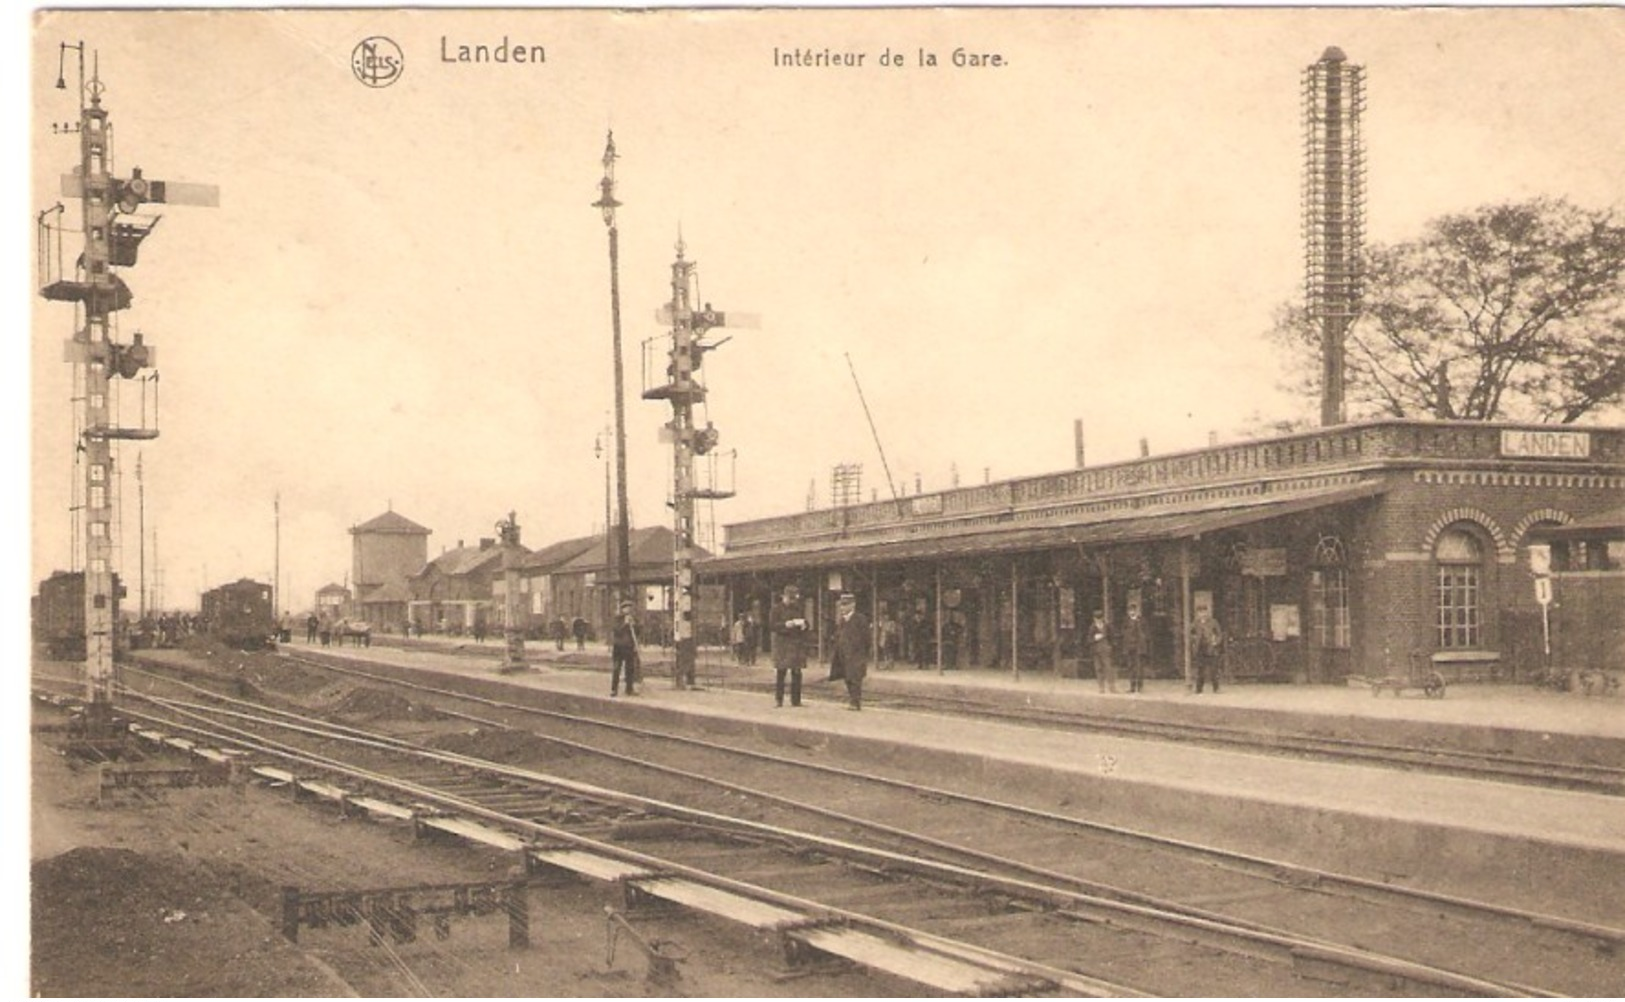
column 850, row 660
column 789, row 625
column 623, row 652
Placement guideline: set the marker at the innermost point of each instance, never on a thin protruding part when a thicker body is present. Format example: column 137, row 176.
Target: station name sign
column 1545, row 444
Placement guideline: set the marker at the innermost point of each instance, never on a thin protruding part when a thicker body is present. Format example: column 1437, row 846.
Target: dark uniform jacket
column 789, row 642
column 850, row 659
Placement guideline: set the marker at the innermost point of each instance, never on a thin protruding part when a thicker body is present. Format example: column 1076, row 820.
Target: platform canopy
column 1113, row 529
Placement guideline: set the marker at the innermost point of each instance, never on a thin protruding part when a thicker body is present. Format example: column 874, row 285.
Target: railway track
column 1550, row 773
column 1237, row 909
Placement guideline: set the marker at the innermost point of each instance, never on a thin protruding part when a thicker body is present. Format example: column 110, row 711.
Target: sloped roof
column 329, row 589
column 652, row 545
column 390, row 522
column 389, row 591
column 557, row 554
column 463, row 560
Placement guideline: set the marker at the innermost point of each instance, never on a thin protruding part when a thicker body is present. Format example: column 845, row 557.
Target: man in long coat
column 850, row 661
column 789, row 625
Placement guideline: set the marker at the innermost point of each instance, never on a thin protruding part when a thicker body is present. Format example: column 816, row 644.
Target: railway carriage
column 240, row 614
column 59, row 614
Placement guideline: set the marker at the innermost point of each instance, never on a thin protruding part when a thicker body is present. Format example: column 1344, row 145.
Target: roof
column 463, row 560
column 1110, row 530
column 1608, row 523
column 555, row 555
column 650, row 546
column 389, row 591
column 330, row 589
column 389, row 522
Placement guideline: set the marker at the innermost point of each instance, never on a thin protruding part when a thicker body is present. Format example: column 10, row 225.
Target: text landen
column 503, row 52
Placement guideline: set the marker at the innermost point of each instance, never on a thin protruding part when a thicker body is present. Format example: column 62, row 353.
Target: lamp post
column 623, row 544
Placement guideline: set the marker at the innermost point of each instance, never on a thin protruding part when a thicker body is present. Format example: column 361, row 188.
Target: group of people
column 850, row 652
column 1132, row 643
column 320, row 629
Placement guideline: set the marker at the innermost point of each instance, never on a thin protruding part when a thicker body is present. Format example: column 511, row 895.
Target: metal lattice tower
column 1333, row 212
column 113, row 231
column 846, row 484
column 684, row 389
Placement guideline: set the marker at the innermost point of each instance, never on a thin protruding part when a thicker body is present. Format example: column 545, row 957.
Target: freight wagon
column 59, row 615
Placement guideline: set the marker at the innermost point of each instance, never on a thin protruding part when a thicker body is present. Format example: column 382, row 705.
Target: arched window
column 1459, row 558
column 1329, row 594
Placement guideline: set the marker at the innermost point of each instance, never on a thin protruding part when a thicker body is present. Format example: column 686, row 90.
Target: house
column 453, row 593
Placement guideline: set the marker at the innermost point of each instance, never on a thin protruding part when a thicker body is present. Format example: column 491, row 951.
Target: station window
column 1459, row 557
column 1329, row 594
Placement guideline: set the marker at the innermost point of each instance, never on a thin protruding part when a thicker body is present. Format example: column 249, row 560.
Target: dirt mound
column 115, row 922
column 513, row 747
column 378, row 704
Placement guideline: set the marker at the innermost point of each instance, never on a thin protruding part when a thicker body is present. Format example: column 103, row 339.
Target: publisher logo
column 377, row 61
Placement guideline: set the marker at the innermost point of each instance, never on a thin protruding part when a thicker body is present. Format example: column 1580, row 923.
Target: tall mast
column 623, row 541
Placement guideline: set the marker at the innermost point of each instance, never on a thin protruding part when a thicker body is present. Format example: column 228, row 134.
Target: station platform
column 1548, row 850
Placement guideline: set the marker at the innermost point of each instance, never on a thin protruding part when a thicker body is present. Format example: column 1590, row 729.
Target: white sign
column 1543, row 590
column 1545, row 444
column 1540, row 559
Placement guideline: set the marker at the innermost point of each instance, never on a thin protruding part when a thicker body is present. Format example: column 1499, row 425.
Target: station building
column 1371, row 549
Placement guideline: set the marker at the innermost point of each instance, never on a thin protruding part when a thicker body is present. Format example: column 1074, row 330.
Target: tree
column 1508, row 312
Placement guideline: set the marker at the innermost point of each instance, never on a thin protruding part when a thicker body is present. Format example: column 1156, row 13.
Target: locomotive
column 59, row 614
column 240, row 614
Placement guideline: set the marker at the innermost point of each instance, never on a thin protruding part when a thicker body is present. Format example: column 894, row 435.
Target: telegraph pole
column 623, row 533
column 112, row 235
column 141, row 531
column 684, row 389
column 276, row 572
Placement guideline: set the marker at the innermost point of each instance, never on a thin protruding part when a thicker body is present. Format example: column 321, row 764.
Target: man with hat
column 623, row 652
column 850, row 660
column 1100, row 651
column 789, row 626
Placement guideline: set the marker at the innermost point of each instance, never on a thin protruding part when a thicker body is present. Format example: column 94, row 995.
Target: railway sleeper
column 801, row 958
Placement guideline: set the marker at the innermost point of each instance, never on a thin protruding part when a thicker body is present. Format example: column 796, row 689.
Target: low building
column 453, row 592
column 332, row 602
column 1369, row 549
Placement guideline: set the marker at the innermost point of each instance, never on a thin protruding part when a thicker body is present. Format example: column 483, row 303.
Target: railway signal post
column 684, row 389
column 113, row 230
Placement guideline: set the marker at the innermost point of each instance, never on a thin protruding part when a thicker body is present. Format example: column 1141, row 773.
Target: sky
column 402, row 299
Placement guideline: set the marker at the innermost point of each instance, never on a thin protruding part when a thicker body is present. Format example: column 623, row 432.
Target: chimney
column 1145, row 447
column 1077, row 440
column 486, row 542
column 1212, row 439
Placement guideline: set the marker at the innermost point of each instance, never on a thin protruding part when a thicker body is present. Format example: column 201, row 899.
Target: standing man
column 623, row 651
column 579, row 628
column 311, row 622
column 1100, row 650
column 789, row 625
column 850, row 660
column 1206, row 639
column 736, row 637
column 753, row 635
column 1136, row 647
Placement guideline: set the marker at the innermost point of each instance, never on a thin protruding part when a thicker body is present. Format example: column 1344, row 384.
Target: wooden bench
column 1463, row 666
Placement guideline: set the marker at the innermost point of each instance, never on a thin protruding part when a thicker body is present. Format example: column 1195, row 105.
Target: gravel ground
column 177, row 893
